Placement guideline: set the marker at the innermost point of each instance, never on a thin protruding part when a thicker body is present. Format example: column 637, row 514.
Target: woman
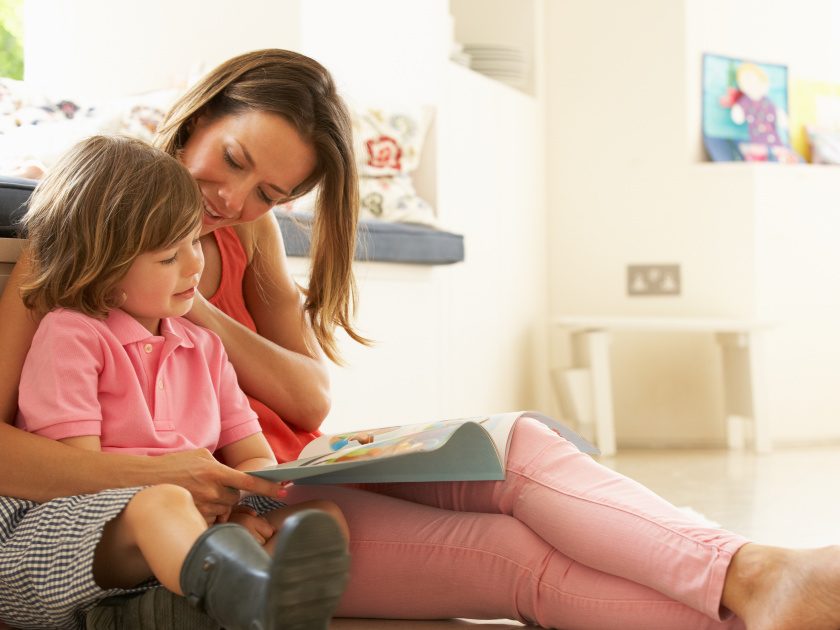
column 562, row 542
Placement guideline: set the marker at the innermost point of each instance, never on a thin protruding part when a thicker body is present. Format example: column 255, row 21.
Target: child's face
column 162, row 283
column 245, row 165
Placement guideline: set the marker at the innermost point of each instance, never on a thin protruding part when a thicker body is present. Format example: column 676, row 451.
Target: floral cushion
column 389, row 142
column 388, row 146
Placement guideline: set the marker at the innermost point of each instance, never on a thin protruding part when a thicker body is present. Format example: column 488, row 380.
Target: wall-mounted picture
column 745, row 111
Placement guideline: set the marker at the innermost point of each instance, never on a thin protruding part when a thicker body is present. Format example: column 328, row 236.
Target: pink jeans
column 562, row 542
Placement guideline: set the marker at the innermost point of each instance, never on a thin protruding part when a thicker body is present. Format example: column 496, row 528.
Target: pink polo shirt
column 140, row 393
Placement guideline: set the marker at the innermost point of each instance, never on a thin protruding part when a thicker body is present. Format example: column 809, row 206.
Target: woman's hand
column 215, row 487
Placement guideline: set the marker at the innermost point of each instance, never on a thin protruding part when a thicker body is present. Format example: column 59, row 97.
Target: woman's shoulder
column 259, row 235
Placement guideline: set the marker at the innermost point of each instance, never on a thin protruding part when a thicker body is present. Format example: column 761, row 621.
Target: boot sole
column 309, row 572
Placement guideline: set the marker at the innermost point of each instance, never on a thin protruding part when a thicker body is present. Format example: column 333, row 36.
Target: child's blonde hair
column 106, row 201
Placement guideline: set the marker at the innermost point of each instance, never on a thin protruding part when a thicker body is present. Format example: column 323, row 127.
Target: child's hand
column 260, row 528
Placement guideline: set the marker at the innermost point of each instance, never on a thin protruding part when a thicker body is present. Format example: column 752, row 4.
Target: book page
column 343, row 443
column 476, row 456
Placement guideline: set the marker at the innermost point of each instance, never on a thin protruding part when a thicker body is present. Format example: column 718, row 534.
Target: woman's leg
column 594, row 515
column 421, row 562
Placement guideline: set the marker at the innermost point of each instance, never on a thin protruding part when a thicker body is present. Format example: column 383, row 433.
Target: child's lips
column 186, row 294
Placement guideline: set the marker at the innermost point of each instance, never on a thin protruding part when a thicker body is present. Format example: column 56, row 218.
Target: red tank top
column 286, row 441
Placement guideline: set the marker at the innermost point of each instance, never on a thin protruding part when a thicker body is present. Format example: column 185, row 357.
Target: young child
column 113, row 231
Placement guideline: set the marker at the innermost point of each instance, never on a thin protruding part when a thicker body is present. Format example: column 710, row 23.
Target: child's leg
column 151, row 536
column 222, row 569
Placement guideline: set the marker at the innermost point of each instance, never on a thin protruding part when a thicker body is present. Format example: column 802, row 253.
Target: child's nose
column 195, row 264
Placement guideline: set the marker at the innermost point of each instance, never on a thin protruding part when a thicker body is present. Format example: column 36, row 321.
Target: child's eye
column 169, row 261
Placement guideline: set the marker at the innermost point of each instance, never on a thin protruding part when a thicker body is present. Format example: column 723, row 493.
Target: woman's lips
column 210, row 212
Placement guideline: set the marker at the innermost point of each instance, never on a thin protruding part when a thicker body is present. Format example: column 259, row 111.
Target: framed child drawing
column 745, row 111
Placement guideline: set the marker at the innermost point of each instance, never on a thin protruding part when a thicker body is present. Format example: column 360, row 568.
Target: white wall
column 95, row 49
column 380, row 51
column 627, row 185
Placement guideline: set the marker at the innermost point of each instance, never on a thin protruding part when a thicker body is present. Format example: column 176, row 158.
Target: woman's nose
column 234, row 197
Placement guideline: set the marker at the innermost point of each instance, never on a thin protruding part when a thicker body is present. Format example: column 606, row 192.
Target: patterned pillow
column 388, row 145
column 389, row 142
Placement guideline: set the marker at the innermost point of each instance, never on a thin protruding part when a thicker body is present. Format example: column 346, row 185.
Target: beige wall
column 627, row 185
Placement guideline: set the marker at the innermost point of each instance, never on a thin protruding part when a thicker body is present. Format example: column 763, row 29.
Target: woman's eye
column 229, row 159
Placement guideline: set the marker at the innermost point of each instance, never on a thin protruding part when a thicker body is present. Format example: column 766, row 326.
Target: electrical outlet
column 653, row 280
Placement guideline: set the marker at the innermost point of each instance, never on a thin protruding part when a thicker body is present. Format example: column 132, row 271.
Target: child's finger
column 264, row 528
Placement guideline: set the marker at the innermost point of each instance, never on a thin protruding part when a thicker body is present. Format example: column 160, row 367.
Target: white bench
column 588, row 374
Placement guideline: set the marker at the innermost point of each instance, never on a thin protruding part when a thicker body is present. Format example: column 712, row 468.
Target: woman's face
column 245, row 164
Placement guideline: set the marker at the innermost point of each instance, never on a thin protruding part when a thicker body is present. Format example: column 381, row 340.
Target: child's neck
column 150, row 324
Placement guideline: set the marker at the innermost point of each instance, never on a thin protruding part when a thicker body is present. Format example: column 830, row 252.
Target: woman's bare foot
column 771, row 588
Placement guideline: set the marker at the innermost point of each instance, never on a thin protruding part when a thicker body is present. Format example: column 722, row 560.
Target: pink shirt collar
column 128, row 330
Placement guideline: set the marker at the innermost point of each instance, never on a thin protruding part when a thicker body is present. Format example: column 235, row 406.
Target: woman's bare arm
column 275, row 366
column 39, row 469
column 17, row 327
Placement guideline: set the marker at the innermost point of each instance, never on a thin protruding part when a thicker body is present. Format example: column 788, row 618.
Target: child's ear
column 116, row 297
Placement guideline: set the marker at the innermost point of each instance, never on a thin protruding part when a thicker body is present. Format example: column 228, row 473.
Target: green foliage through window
column 11, row 39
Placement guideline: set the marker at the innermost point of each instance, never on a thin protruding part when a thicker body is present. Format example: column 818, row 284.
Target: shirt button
column 148, row 348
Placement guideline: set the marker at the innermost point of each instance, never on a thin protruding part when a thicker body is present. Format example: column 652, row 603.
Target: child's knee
column 330, row 508
column 333, row 510
column 161, row 497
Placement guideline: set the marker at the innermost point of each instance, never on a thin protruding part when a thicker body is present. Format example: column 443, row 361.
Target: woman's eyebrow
column 250, row 161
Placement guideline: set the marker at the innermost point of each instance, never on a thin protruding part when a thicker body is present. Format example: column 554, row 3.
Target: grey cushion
column 377, row 241
column 14, row 194
column 382, row 241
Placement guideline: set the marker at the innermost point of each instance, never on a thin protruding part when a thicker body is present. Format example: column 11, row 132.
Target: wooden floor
column 789, row 497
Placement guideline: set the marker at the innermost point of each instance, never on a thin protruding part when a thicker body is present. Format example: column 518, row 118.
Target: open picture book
column 448, row 450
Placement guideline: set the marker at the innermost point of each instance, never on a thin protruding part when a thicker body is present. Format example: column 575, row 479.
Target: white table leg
column 744, row 385
column 597, row 358
column 762, row 442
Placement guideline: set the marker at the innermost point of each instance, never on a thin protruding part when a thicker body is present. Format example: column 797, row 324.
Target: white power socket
column 659, row 279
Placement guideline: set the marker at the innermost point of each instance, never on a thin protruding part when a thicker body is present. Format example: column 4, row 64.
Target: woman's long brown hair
column 301, row 91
